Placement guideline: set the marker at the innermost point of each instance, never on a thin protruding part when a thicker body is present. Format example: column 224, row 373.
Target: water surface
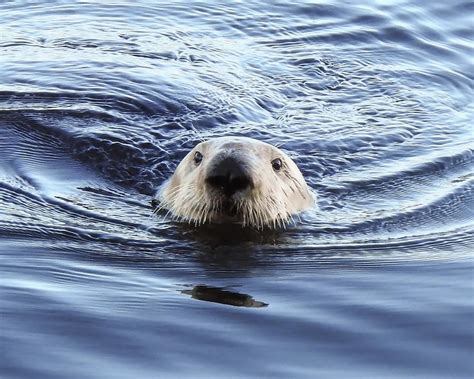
column 99, row 101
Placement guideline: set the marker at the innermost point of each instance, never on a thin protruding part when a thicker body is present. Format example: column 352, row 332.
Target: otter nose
column 228, row 176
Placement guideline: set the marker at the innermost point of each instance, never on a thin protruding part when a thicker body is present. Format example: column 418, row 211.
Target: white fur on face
column 271, row 202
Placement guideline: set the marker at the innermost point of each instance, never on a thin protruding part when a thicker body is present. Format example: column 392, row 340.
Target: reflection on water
column 223, row 296
column 99, row 101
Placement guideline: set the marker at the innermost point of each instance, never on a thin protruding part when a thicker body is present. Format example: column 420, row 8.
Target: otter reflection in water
column 223, row 296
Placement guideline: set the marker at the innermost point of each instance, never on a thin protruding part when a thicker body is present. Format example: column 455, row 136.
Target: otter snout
column 229, row 176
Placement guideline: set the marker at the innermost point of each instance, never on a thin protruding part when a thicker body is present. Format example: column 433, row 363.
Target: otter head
column 236, row 179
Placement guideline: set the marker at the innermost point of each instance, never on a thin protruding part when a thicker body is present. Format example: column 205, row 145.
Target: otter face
column 236, row 179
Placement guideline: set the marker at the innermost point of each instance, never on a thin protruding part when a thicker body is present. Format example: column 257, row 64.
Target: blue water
column 99, row 101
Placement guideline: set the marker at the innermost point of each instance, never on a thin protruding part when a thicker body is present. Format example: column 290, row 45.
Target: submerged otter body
column 236, row 180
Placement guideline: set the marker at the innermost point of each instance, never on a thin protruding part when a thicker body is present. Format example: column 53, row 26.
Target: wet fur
column 272, row 202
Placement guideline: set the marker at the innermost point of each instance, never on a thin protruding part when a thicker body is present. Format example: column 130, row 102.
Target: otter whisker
column 201, row 211
column 253, row 214
column 168, row 203
column 193, row 205
column 259, row 216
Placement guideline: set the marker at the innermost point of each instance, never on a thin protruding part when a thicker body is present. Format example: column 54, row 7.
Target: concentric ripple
column 100, row 100
column 384, row 141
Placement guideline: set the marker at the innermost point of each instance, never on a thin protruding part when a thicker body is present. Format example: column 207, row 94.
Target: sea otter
column 236, row 180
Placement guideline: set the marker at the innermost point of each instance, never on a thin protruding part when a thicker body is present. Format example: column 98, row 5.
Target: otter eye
column 277, row 164
column 197, row 157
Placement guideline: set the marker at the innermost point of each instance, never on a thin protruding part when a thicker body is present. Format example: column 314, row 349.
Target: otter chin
column 236, row 180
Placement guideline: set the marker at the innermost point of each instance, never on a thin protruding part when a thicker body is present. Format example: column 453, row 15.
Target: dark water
column 100, row 100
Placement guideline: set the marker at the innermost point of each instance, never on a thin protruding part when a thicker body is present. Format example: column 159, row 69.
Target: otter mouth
column 230, row 209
